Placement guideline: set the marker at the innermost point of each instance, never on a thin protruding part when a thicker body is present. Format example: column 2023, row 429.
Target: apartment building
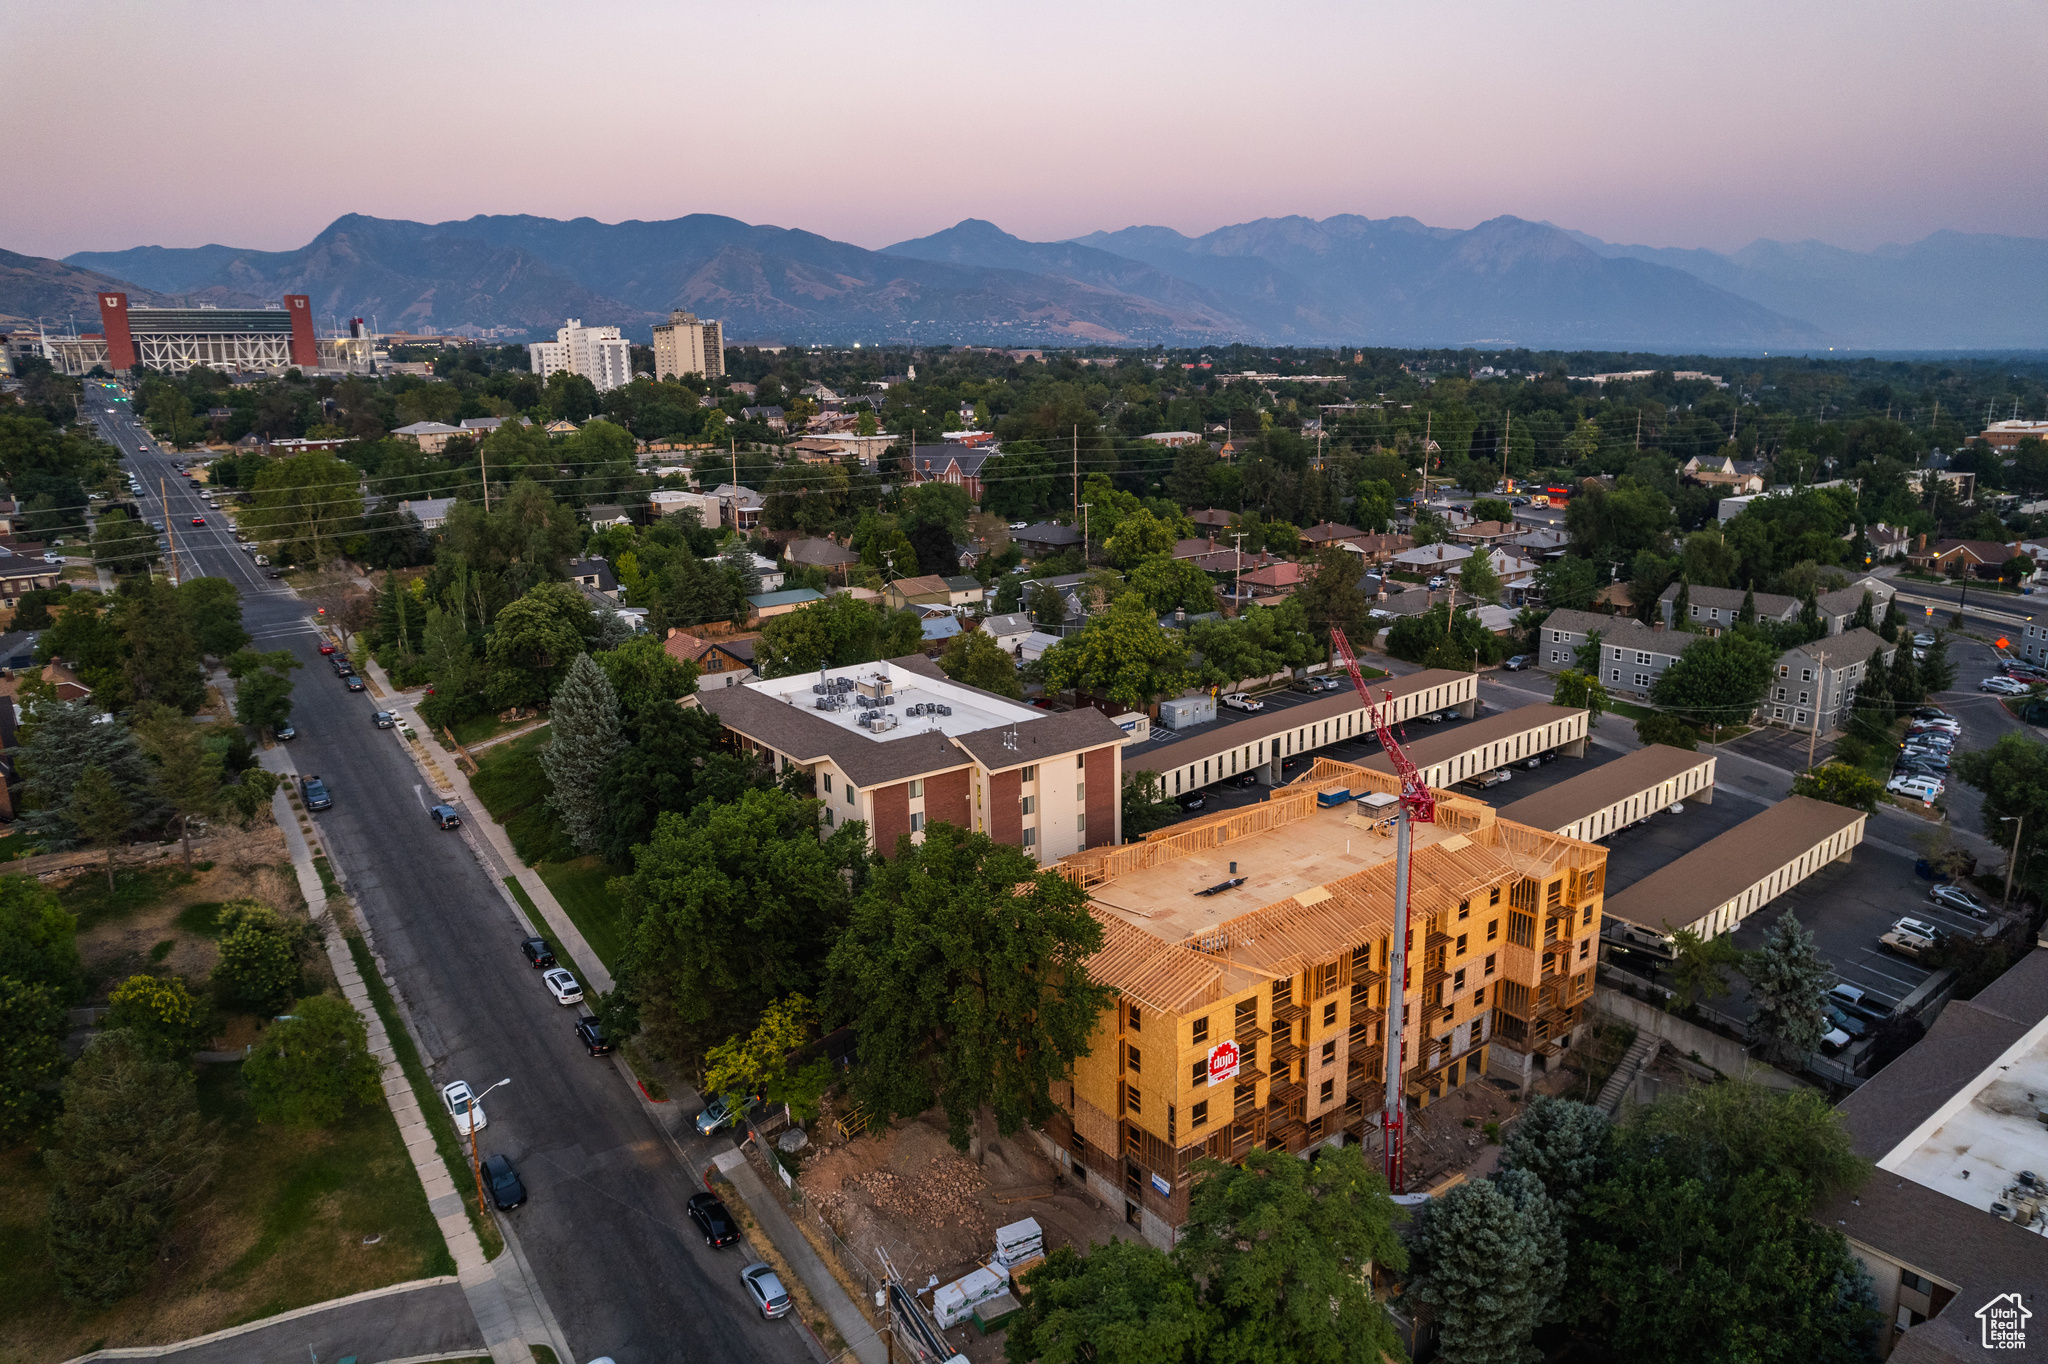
column 1815, row 683
column 686, row 345
column 1250, row 954
column 599, row 354
column 1632, row 655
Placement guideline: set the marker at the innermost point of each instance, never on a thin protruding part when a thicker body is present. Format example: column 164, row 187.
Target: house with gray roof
column 1814, row 684
column 1714, row 609
column 1632, row 655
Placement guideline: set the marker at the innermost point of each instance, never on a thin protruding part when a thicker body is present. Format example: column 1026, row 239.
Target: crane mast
column 1417, row 805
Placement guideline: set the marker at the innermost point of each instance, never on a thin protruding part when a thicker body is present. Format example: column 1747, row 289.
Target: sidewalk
column 794, row 1247
column 428, row 1319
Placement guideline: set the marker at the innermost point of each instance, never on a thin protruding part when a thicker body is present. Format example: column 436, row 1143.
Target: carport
column 1497, row 740
column 1636, row 786
column 1722, row 882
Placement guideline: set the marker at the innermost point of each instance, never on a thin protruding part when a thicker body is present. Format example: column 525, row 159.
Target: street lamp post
column 476, row 1165
column 2011, row 858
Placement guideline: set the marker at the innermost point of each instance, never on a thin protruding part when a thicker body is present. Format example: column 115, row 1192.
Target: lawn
column 513, row 787
column 579, row 885
column 477, row 728
column 288, row 1222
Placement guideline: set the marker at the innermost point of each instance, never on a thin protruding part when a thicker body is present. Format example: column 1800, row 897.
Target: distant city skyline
column 183, row 125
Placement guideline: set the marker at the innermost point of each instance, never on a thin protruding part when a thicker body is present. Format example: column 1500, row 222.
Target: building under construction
column 1250, row 950
column 231, row 340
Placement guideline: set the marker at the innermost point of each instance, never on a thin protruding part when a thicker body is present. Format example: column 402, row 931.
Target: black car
column 352, row 682
column 314, row 791
column 1193, row 800
column 1930, row 713
column 591, row 1034
column 342, row 667
column 503, row 1182
column 275, row 573
column 538, row 952
column 446, row 816
column 285, row 734
column 384, row 719
column 713, row 1220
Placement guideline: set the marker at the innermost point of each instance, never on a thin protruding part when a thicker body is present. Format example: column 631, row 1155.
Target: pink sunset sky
column 179, row 124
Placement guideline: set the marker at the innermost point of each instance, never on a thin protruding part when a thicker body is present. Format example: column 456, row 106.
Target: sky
column 179, row 124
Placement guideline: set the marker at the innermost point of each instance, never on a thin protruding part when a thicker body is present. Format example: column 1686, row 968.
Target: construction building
column 1726, row 879
column 599, row 354
column 1615, row 794
column 231, row 340
column 684, row 345
column 1249, row 953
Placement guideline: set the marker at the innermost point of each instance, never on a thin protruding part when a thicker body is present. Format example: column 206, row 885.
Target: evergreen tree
column 128, row 1150
column 160, row 653
column 33, row 1023
column 65, row 738
column 1489, row 1259
column 1888, row 628
column 1125, row 1302
column 1586, row 657
column 584, row 736
column 1809, row 617
column 613, row 629
column 1904, row 684
column 1865, row 616
column 100, row 813
column 1937, row 670
column 1747, row 615
column 189, row 774
column 1681, row 609
column 1870, row 715
column 1563, row 1143
column 1788, row 983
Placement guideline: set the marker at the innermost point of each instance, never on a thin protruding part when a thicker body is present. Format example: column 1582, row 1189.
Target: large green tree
column 1125, row 1302
column 33, row 1022
column 1788, row 984
column 584, row 735
column 189, row 774
column 310, row 1069
column 975, row 659
column 121, row 544
column 1122, row 655
column 838, row 632
column 213, row 610
column 964, row 968
column 1563, row 1143
column 1488, row 1260
column 259, row 961
column 305, row 505
column 533, row 642
column 263, row 687
column 1718, row 680
column 160, row 654
column 2013, row 775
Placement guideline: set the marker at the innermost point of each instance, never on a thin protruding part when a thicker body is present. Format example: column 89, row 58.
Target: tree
column 258, row 968
column 128, row 1150
column 731, row 906
column 1374, row 510
column 311, row 1068
column 1277, row 1245
column 121, row 544
column 964, row 970
column 1493, row 509
column 1125, row 1302
column 64, row 739
column 1937, row 670
column 165, row 1019
column 1586, row 656
column 1581, row 692
column 1865, row 617
column 1122, row 655
column 1700, row 967
column 1681, row 608
column 1568, row 583
column 1718, row 680
column 1488, row 1258
column 263, row 691
column 760, row 1065
column 189, row 775
column 1137, row 537
column 838, row 632
column 1788, row 982
column 304, row 505
column 533, row 642
column 583, row 737
column 160, row 655
column 1170, row 584
column 2013, row 775
column 978, row 661
column 1331, row 597
column 38, row 936
column 213, row 610
column 1476, row 578
column 1669, row 730
column 1145, row 806
column 1840, row 784
column 1563, row 1143
column 100, row 813
column 33, row 1022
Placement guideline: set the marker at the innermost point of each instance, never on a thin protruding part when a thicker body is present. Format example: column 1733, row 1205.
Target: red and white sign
column 1222, row 1062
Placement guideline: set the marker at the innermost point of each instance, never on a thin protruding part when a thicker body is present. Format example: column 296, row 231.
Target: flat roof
column 1973, row 1147
column 1224, row 737
column 1590, row 792
column 1438, row 748
column 967, row 708
column 1722, row 868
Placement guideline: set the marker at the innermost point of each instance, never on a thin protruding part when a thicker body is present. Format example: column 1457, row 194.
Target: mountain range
column 1294, row 280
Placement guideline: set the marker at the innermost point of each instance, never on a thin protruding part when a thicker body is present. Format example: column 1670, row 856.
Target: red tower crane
column 1417, row 805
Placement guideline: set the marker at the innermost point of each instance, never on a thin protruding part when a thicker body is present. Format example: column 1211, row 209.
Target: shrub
column 310, row 1068
column 167, row 1021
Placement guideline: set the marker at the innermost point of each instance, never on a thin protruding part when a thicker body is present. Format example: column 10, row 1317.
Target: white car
column 1919, row 928
column 562, row 986
column 53, row 558
column 463, row 1107
column 1238, row 700
column 1924, row 789
column 1923, row 641
column 2003, row 686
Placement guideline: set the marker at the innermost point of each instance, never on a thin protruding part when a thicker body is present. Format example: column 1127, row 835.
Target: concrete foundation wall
column 1723, row 1054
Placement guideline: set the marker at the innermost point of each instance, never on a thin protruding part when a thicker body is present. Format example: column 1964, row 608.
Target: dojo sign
column 1222, row 1062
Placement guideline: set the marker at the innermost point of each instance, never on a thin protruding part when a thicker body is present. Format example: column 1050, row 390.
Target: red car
column 327, row 648
column 198, row 520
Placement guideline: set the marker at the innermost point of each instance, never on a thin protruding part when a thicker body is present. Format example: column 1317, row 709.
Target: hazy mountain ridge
column 57, row 292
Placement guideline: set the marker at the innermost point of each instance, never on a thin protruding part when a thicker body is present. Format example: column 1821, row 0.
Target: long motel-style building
column 1249, row 953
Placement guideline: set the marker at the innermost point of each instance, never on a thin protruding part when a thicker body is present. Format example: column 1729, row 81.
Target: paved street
column 605, row 1233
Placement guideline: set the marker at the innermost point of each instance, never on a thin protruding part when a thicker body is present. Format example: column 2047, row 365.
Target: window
column 1134, row 1061
column 1458, row 980
column 1081, row 821
column 1137, row 1020
column 1030, row 805
column 1493, row 898
column 1556, row 637
column 1330, row 1014
column 1081, row 792
column 1198, row 1116
column 849, row 795
column 1080, row 761
column 1802, row 698
column 1799, row 718
column 1479, row 998
column 1329, row 1090
column 1642, row 680
column 1784, row 670
column 1198, row 1031
column 1031, row 838
column 1029, row 774
column 1464, row 940
column 828, row 816
column 917, row 821
column 1616, row 654
column 1329, row 1051
column 1642, row 658
column 828, row 782
column 1614, row 676
column 1780, row 696
column 1464, row 910
column 917, row 788
column 1585, row 948
column 1199, row 1073
column 1490, row 965
column 1778, row 712
column 1134, row 1101
column 1806, row 674
column 1492, row 932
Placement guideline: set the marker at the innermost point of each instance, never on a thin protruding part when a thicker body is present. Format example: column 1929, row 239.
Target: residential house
column 1431, row 559
column 767, row 573
column 595, row 575
column 1541, row 542
column 1839, row 607
column 561, row 426
column 773, row 416
column 1008, row 630
column 20, row 574
column 1887, row 542
column 604, row 515
column 1632, row 655
column 939, row 629
column 964, row 589
column 767, row 605
column 867, row 449
column 1329, row 533
column 829, row 555
column 810, row 450
column 720, row 662
column 959, row 465
column 1739, row 477
column 927, row 589
column 672, row 501
column 1961, row 558
column 1814, row 684
column 1714, row 609
column 1174, row 440
column 1380, row 549
column 1276, row 582
column 745, row 390
column 1955, row 482
column 480, row 427
column 1487, row 533
column 1516, row 574
column 1615, row 599
column 430, row 512
column 1047, row 538
column 431, row 437
column 738, row 507
column 1034, row 645
column 1213, row 519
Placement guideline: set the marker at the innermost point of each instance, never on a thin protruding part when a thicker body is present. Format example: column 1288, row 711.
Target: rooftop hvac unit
column 880, row 721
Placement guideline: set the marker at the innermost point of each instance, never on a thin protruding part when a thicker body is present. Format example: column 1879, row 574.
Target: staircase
column 1639, row 1054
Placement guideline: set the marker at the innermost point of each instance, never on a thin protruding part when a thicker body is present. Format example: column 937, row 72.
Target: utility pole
column 2011, row 859
column 1820, row 695
column 1084, row 533
column 170, row 527
column 485, row 474
column 1507, row 443
column 1237, row 564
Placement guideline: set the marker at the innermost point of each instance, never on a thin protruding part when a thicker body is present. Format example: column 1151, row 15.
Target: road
column 625, row 1272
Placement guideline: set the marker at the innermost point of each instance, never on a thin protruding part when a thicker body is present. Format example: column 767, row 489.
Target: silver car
column 767, row 1291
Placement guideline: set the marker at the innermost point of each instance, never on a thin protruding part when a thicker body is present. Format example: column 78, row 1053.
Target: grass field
column 477, row 728
column 283, row 1225
column 513, row 787
column 579, row 885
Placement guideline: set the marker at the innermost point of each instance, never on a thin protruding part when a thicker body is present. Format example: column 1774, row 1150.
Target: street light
column 476, row 1167
column 2010, row 858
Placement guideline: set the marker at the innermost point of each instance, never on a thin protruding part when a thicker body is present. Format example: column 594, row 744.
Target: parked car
column 562, row 986
column 1905, row 945
column 342, row 667
column 1486, row 779
column 2003, row 686
column 1193, row 800
column 285, row 734
column 1238, row 700
column 273, row 573
column 503, row 1182
column 446, row 816
column 1435, row 717
column 384, row 719
column 463, row 1107
column 766, row 1291
column 326, row 646
column 1833, row 1040
column 1438, row 581
column 1919, row 785
column 1537, row 760
column 1316, row 686
column 1242, row 779
column 352, row 682
column 1517, row 663
column 1855, row 1027
column 591, row 1034
column 538, row 953
column 1924, row 641
column 314, row 792
column 722, row 1112
column 1920, row 928
column 709, row 1213
column 1959, row 900
column 1847, row 996
column 1930, row 713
